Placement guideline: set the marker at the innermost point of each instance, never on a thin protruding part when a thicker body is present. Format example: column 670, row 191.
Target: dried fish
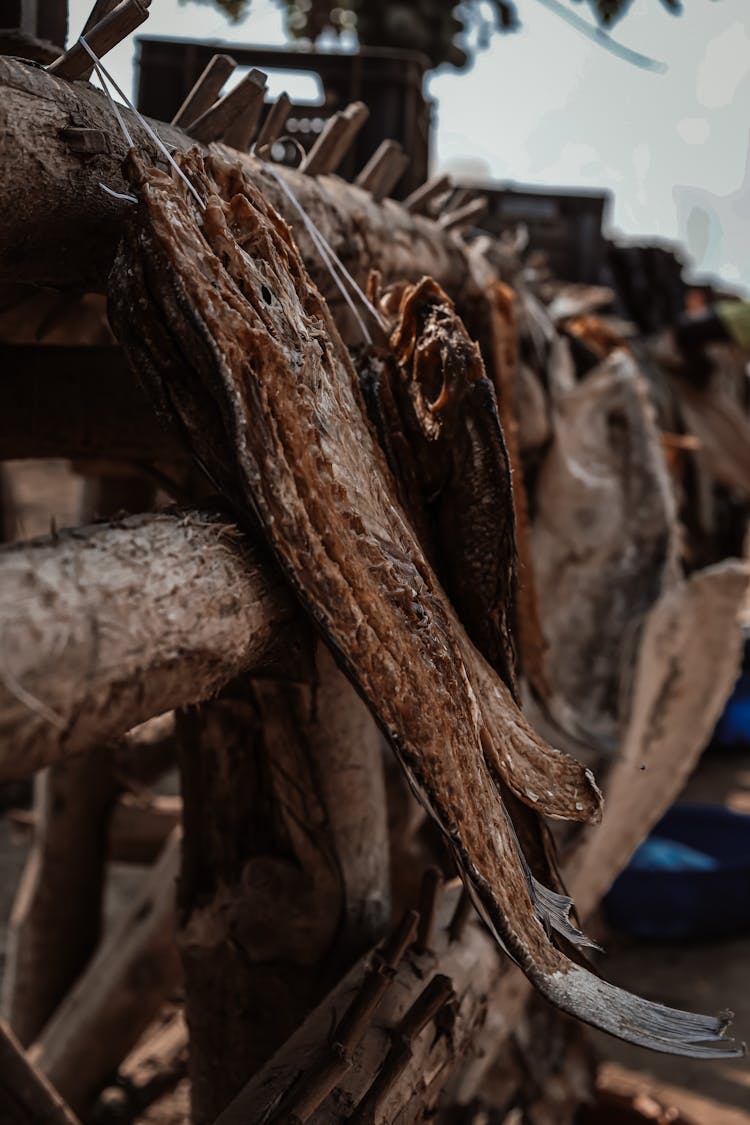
column 216, row 311
column 605, row 539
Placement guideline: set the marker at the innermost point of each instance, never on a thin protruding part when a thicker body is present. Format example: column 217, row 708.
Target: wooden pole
column 101, row 38
column 205, row 91
column 134, row 971
column 106, row 626
column 275, row 908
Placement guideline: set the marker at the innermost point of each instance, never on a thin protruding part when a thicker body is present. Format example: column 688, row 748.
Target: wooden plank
column 205, row 91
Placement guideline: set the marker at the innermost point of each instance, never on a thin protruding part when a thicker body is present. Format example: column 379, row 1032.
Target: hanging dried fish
column 217, row 313
column 435, row 413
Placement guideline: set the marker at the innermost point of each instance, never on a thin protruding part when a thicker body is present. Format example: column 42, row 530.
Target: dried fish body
column 605, row 540
column 435, row 414
column 217, row 312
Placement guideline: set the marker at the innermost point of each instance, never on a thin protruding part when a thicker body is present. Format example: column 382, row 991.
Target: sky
column 547, row 106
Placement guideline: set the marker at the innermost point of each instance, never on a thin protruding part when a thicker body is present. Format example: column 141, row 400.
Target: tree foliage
column 443, row 30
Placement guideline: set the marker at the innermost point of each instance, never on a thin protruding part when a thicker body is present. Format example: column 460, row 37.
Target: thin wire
column 103, row 73
column 332, row 262
column 118, row 194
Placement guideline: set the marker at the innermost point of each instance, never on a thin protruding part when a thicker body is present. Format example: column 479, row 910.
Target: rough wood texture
column 427, row 1061
column 134, row 971
column 57, row 916
column 34, row 226
column 101, row 37
column 274, row 906
column 239, row 348
column 26, row 1097
column 205, row 91
column 105, row 626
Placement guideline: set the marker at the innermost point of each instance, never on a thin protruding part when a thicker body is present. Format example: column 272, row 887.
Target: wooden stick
column 338, row 134
column 35, row 246
column 133, row 972
column 471, row 965
column 465, row 215
column 55, row 921
column 205, row 91
column 233, row 119
column 100, row 9
column 274, row 124
column 104, row 627
column 433, row 997
column 419, row 200
column 26, row 1097
column 429, row 899
column 105, row 35
column 383, row 170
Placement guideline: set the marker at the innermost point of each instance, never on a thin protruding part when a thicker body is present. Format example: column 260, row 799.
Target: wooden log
column 26, row 1097
column 57, row 915
column 205, row 91
column 106, row 626
column 101, row 38
column 134, row 971
column 333, row 143
column 407, row 1092
column 35, row 226
column 383, row 170
column 274, row 910
column 233, row 119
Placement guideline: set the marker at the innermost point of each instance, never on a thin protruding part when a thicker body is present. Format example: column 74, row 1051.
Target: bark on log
column 106, row 626
column 471, row 966
column 39, row 116
column 57, row 916
column 134, row 971
column 273, row 910
column 26, row 1098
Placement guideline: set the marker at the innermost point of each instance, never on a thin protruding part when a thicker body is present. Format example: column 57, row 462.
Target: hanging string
column 333, row 263
column 104, row 78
